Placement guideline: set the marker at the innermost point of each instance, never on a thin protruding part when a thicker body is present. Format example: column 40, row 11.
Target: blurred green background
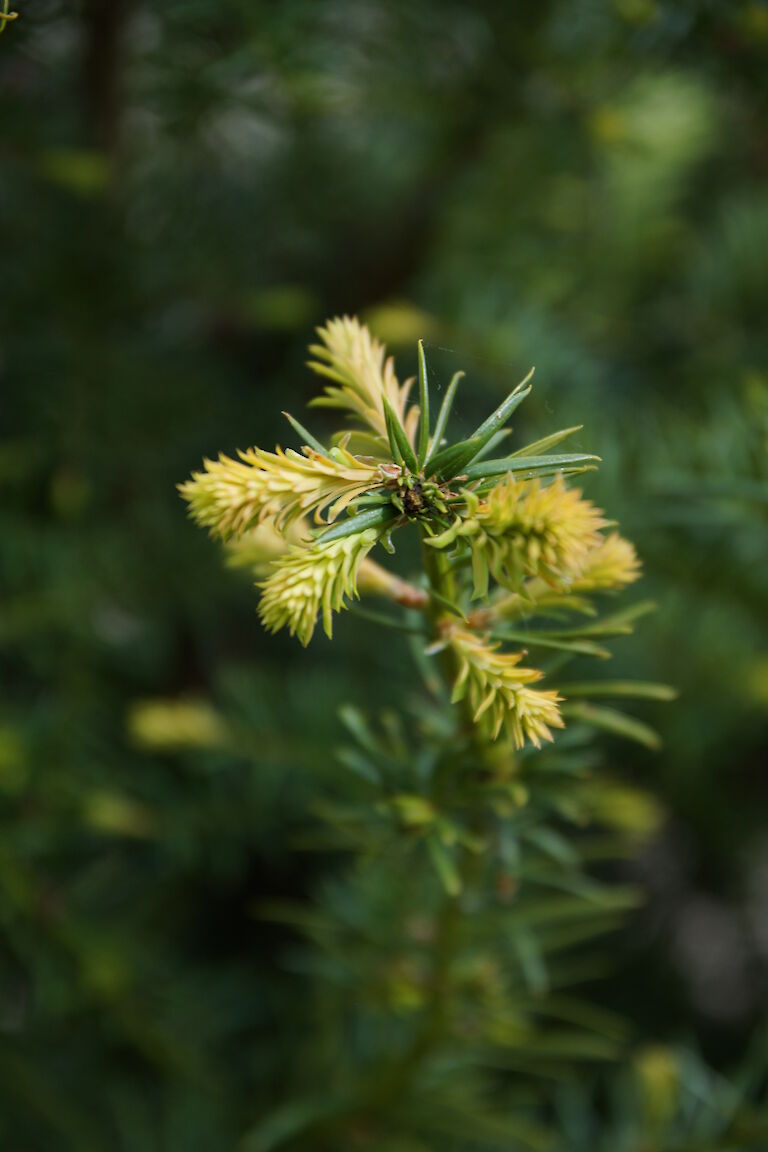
column 186, row 189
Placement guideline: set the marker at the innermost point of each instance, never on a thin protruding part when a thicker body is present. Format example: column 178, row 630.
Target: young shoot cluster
column 504, row 536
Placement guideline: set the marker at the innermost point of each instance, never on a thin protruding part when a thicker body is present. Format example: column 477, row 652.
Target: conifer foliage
column 459, row 820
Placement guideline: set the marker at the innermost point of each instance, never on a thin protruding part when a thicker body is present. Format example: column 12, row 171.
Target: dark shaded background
column 186, row 189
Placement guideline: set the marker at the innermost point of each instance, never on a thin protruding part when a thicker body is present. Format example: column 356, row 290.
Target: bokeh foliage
column 185, row 189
